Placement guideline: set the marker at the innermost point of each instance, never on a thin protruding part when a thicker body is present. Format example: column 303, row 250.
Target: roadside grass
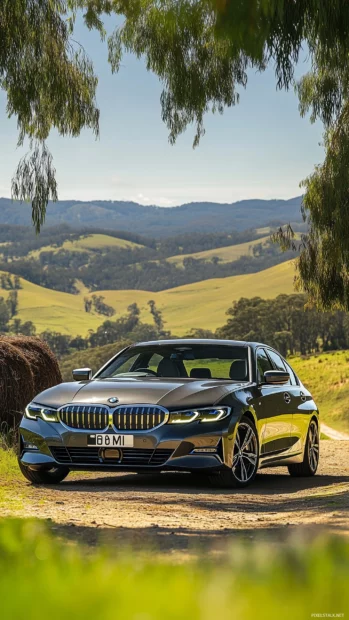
column 12, row 494
column 40, row 576
column 8, row 465
column 326, row 375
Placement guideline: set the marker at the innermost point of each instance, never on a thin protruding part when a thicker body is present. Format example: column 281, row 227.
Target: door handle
column 303, row 397
column 287, row 398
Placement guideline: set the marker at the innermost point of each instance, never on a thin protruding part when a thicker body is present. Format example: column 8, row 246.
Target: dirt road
column 180, row 512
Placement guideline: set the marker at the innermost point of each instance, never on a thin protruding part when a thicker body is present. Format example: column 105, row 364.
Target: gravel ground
column 173, row 513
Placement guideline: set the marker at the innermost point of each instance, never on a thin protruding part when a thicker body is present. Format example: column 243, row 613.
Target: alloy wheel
column 245, row 455
column 313, row 446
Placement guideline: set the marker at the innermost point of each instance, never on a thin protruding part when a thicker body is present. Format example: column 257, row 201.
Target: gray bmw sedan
column 224, row 408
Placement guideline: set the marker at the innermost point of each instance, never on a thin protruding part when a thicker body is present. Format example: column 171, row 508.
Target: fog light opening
column 29, row 446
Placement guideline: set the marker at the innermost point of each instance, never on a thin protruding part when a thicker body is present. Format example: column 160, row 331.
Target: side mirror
column 82, row 374
column 276, row 377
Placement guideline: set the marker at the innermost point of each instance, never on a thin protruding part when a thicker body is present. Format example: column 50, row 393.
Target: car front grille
column 131, row 457
column 93, row 417
column 125, row 418
column 138, row 418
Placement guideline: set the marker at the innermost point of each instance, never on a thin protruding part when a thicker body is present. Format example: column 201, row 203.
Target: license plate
column 110, row 441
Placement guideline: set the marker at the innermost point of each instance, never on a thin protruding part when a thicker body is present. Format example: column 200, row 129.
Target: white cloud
column 143, row 198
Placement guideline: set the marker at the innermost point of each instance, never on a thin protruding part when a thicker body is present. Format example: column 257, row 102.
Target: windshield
column 197, row 361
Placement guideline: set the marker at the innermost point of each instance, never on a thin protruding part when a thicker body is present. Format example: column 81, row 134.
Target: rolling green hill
column 95, row 241
column 53, row 310
column 202, row 304
column 107, row 260
column 225, row 254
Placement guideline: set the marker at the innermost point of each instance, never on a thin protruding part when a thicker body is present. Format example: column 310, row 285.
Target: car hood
column 168, row 393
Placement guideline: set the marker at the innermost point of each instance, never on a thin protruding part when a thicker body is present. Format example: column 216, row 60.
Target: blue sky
column 258, row 149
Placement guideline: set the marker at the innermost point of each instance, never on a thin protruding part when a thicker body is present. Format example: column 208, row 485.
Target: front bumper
column 168, row 447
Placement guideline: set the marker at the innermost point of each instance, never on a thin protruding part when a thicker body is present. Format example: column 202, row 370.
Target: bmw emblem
column 113, row 400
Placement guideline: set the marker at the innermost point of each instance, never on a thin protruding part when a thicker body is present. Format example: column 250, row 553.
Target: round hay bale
column 16, row 385
column 42, row 361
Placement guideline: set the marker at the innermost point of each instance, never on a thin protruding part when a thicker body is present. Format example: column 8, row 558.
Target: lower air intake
column 130, row 457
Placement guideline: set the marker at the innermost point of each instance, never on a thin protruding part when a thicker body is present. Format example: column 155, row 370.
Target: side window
column 154, row 362
column 293, row 378
column 276, row 360
column 263, row 364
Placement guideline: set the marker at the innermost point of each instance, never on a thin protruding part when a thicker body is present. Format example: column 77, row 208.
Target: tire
column 310, row 461
column 45, row 476
column 244, row 468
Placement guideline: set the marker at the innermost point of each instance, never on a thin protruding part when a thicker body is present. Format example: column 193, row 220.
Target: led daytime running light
column 185, row 421
column 207, row 414
column 33, row 412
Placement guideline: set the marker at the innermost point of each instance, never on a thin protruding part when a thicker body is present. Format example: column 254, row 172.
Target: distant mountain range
column 156, row 221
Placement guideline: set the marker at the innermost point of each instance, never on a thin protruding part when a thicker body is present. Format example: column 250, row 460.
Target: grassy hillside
column 202, row 304
column 53, row 310
column 226, row 254
column 96, row 241
column 327, row 376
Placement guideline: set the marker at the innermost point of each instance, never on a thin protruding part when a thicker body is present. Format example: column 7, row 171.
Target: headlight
column 208, row 414
column 34, row 411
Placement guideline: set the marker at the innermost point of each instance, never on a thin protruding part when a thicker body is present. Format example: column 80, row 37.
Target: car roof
column 191, row 341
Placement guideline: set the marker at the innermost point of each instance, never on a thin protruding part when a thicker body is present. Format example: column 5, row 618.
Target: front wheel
column 45, row 476
column 310, row 461
column 244, row 459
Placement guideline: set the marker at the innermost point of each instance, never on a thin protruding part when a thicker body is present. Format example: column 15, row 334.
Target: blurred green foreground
column 42, row 576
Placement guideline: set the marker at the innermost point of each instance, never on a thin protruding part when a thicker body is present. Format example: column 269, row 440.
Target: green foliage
column 157, row 316
column 286, row 323
column 253, row 580
column 324, row 261
column 100, row 307
column 12, row 303
column 202, row 50
column 4, row 315
column 26, row 328
column 178, row 40
column 9, row 283
column 49, row 83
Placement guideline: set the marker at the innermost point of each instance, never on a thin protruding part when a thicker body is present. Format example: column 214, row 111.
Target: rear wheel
column 46, row 476
column 245, row 458
column 310, row 461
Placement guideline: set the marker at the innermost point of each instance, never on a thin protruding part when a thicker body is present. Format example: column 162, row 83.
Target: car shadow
column 191, row 484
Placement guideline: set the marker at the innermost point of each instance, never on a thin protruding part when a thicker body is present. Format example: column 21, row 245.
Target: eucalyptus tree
column 201, row 51
column 49, row 83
